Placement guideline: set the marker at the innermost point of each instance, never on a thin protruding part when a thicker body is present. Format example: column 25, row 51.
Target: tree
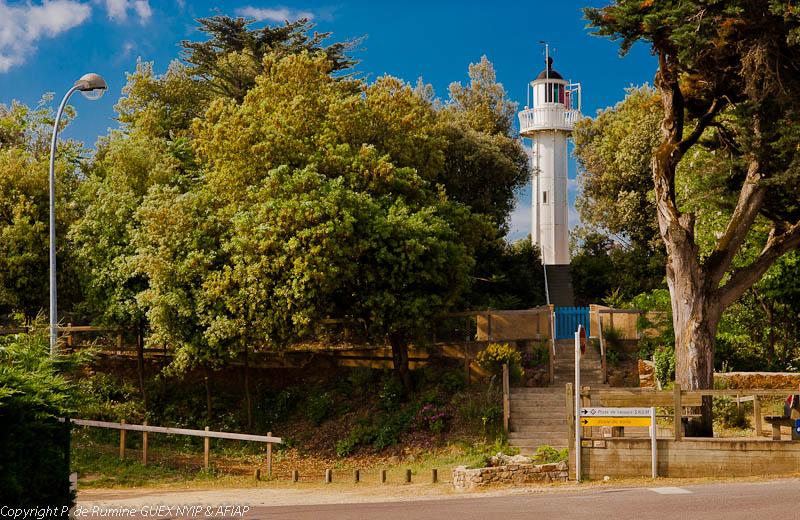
column 229, row 62
column 326, row 185
column 485, row 164
column 727, row 83
column 24, row 209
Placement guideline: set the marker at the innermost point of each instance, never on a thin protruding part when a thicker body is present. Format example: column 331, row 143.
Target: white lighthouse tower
column 554, row 106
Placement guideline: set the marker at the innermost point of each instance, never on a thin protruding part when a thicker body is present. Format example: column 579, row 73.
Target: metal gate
column 568, row 319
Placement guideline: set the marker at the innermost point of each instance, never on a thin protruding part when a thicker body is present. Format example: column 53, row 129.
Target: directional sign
column 615, row 421
column 615, row 412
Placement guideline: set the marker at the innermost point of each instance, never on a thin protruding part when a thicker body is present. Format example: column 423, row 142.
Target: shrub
column 664, row 359
column 491, row 417
column 729, row 414
column 537, row 358
column 34, row 446
column 452, row 382
column 391, row 393
column 319, row 406
column 495, row 355
column 547, row 455
column 433, row 418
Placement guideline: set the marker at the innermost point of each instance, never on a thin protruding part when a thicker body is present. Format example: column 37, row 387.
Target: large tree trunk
column 247, row 397
column 140, row 360
column 695, row 316
column 207, row 381
column 400, row 360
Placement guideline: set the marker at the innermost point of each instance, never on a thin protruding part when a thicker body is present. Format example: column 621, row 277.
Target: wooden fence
column 677, row 399
column 207, row 435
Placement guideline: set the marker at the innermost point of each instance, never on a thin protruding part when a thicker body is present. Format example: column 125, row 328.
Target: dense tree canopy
column 728, row 87
column 24, row 210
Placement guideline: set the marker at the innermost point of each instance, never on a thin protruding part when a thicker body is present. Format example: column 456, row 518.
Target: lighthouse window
column 544, row 197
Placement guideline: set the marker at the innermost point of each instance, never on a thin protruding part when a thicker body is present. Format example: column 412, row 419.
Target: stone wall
column 515, row 474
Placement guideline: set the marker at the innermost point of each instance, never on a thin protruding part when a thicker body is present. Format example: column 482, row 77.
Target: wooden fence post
column 122, row 441
column 570, row 408
column 328, row 476
column 356, row 476
column 383, row 476
column 434, row 476
column 144, row 445
column 757, row 415
column 678, row 412
column 408, row 476
column 506, row 398
column 206, row 449
column 295, row 475
column 269, row 457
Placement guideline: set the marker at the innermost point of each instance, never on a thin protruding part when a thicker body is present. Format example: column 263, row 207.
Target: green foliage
column 383, row 431
column 507, row 276
column 539, row 356
column 391, row 394
column 664, row 360
column 24, row 209
column 547, row 455
column 319, row 406
column 229, row 62
column 495, row 355
column 730, row 415
column 33, row 444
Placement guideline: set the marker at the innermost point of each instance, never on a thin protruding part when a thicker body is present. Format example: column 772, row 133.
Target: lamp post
column 92, row 86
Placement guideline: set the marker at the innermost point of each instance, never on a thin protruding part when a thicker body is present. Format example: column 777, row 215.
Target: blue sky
column 46, row 45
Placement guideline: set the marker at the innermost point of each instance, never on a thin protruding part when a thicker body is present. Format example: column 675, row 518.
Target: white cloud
column 21, row 26
column 118, row 9
column 273, row 14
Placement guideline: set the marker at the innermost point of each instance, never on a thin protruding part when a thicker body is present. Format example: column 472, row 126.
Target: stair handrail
column 602, row 348
column 506, row 397
column 552, row 342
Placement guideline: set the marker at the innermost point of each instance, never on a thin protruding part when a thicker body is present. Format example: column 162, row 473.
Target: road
column 728, row 501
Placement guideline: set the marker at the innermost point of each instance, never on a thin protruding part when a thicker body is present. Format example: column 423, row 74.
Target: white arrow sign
column 615, row 412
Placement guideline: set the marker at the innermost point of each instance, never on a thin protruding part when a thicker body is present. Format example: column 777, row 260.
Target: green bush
column 34, row 446
column 547, row 455
column 452, row 382
column 391, row 393
column 730, row 415
column 495, row 355
column 319, row 406
column 665, row 364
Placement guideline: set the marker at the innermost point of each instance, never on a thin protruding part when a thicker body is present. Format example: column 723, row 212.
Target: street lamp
column 92, row 86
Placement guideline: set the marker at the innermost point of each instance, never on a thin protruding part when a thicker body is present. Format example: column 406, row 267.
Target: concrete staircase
column 539, row 415
column 559, row 285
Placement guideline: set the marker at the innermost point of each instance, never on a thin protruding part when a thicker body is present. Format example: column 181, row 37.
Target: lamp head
column 92, row 86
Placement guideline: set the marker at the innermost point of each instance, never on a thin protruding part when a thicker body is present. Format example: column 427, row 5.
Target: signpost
column 578, row 334
column 588, row 416
column 591, row 416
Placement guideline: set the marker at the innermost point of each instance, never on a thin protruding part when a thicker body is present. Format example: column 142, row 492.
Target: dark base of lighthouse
column 559, row 284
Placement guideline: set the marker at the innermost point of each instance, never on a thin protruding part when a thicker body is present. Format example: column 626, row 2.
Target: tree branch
column 743, row 278
column 705, row 120
column 751, row 199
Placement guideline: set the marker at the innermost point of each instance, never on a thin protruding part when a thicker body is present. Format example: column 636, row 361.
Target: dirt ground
column 287, row 494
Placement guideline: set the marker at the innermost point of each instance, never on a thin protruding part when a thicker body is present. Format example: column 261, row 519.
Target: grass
column 98, row 466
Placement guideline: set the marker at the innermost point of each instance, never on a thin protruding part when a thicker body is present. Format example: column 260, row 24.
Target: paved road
column 751, row 501
column 776, row 499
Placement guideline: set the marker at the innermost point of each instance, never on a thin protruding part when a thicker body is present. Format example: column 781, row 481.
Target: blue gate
column 568, row 319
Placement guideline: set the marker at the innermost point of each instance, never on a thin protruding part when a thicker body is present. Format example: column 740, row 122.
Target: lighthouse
column 553, row 108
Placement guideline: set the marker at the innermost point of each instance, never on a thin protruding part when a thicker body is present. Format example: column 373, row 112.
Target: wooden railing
column 677, row 399
column 206, row 434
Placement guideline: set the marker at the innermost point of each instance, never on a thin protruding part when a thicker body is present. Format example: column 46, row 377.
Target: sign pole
column 577, row 405
column 653, row 442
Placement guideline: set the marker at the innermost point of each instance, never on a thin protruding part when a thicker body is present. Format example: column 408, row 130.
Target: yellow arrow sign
column 615, row 421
